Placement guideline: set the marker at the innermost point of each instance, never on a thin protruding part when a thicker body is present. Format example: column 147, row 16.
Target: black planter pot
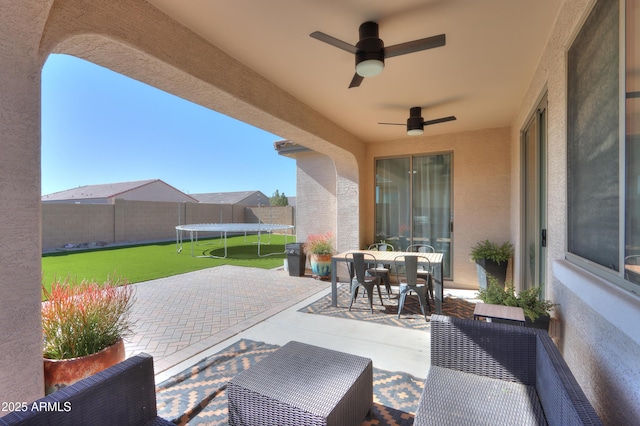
column 496, row 270
column 542, row 322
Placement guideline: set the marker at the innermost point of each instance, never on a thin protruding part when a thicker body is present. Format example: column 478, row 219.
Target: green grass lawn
column 147, row 262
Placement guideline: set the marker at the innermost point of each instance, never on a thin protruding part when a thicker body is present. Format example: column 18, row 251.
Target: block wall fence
column 127, row 222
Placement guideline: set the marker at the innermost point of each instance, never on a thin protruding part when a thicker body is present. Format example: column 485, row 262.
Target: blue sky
column 102, row 127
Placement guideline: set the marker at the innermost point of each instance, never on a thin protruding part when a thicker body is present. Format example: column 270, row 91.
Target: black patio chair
column 363, row 277
column 411, row 282
column 382, row 270
column 423, row 272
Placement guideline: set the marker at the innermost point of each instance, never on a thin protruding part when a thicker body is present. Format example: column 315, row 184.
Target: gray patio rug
column 411, row 316
column 197, row 396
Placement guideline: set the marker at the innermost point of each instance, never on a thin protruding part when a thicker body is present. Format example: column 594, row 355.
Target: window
column 632, row 139
column 603, row 137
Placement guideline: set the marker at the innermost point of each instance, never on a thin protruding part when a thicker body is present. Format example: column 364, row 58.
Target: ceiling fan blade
column 333, row 41
column 440, row 120
column 414, row 46
column 395, row 124
column 356, row 80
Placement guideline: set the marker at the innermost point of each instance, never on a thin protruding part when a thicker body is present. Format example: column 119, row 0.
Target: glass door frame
column 411, row 158
column 537, row 213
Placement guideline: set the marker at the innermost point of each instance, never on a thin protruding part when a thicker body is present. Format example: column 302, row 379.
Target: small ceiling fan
column 415, row 122
column 370, row 52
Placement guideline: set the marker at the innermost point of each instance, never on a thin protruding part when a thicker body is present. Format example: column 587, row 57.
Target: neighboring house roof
column 254, row 197
column 103, row 191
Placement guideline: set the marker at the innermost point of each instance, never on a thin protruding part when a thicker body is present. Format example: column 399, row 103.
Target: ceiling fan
column 415, row 122
column 370, row 52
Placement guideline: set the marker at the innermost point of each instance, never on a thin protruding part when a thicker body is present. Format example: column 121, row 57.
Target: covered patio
column 213, row 312
column 507, row 72
column 214, row 308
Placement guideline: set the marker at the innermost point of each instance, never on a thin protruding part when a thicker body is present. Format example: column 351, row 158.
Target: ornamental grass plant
column 319, row 244
column 85, row 318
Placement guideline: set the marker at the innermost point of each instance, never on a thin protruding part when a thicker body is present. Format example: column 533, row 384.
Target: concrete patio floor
column 184, row 318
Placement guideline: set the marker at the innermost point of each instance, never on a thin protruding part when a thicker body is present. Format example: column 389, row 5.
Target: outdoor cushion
column 452, row 397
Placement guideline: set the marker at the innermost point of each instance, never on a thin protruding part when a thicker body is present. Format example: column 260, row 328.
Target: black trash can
column 296, row 259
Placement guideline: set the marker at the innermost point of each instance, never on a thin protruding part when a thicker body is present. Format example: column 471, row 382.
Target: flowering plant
column 320, row 244
column 82, row 319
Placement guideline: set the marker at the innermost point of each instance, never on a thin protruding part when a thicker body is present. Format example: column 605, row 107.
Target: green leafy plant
column 529, row 300
column 490, row 250
column 82, row 319
column 319, row 244
column 278, row 199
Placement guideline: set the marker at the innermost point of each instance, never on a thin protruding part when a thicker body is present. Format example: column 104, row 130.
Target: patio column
column 347, row 204
column 20, row 256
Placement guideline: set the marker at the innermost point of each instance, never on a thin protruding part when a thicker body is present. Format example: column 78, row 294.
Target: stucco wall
column 481, row 189
column 600, row 340
column 597, row 322
column 20, row 325
column 316, row 179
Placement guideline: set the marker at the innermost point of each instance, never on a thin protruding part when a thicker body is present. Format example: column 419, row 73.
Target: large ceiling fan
column 370, row 52
column 415, row 122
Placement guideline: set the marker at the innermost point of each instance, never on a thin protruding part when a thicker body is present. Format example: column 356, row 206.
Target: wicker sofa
column 484, row 373
column 121, row 395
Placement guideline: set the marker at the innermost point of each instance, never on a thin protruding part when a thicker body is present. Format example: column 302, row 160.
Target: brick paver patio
column 178, row 317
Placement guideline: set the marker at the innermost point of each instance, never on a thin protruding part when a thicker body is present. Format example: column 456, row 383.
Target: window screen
column 593, row 138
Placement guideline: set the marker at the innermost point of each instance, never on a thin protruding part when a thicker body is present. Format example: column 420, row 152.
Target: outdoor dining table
column 389, row 258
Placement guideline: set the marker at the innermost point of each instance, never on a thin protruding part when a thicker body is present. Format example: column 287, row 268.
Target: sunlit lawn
column 148, row 262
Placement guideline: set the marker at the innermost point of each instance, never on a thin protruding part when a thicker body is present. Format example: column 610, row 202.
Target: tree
column 278, row 199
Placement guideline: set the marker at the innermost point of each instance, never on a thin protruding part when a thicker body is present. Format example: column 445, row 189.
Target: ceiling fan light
column 369, row 68
column 415, row 123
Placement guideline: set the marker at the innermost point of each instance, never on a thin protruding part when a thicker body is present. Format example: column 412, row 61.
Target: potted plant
column 84, row 326
column 491, row 259
column 319, row 247
column 537, row 311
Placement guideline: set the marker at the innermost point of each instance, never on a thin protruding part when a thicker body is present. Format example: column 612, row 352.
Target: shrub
column 82, row 319
column 490, row 250
column 529, row 300
column 319, row 244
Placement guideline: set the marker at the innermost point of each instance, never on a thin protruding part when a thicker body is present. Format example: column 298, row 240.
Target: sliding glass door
column 432, row 220
column 534, row 207
column 393, row 201
column 413, row 203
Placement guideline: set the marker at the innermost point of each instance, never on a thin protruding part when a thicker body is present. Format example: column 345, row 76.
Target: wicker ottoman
column 300, row 384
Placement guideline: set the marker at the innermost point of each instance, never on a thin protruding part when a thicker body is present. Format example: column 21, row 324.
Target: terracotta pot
column 59, row 373
column 320, row 265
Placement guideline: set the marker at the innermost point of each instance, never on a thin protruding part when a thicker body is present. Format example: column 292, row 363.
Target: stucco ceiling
column 480, row 76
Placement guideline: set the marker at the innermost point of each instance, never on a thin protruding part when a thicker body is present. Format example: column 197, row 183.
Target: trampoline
column 227, row 228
